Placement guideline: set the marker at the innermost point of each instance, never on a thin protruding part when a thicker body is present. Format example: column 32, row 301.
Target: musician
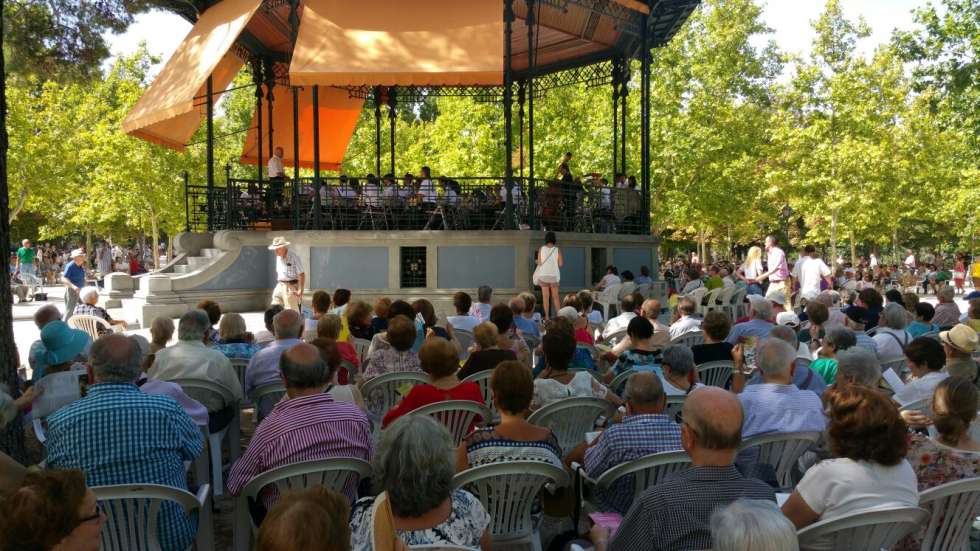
column 277, row 177
column 370, row 192
column 427, row 193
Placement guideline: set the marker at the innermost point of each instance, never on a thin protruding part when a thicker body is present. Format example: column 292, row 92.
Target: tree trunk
column 88, row 242
column 833, row 236
column 11, row 436
column 853, row 249
column 154, row 232
column 896, row 258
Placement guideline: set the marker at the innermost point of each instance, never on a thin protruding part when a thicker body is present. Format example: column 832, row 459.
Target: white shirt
column 910, row 261
column 727, row 282
column 921, row 388
column 427, row 191
column 873, row 262
column 810, row 271
column 480, row 311
column 288, row 267
column 193, row 360
column 835, row 487
column 890, row 342
column 671, row 390
column 275, row 167
column 371, row 195
column 618, row 323
column 610, row 279
column 582, row 384
column 685, row 324
column 464, row 323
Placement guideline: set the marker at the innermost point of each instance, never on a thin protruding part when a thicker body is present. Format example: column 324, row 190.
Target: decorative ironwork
column 417, row 94
column 596, row 74
column 627, row 20
column 413, row 267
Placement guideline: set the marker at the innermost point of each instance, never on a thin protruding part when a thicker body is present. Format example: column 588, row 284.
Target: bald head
column 715, row 415
column 650, row 308
column 645, row 392
column 302, row 366
column 288, row 324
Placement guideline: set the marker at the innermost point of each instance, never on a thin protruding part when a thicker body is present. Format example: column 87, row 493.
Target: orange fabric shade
column 168, row 113
column 398, row 43
column 338, row 118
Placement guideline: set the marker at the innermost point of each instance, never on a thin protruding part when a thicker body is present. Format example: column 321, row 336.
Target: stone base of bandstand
column 236, row 269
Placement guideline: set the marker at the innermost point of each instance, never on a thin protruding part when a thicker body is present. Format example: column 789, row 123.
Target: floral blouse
column 465, row 526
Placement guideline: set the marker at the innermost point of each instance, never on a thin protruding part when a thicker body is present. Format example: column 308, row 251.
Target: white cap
column 569, row 313
column 76, row 253
column 776, row 297
column 788, row 318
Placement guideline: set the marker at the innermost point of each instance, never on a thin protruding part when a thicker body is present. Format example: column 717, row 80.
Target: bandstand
column 316, row 65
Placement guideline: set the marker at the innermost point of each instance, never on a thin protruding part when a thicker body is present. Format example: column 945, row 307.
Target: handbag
column 536, row 276
column 383, row 534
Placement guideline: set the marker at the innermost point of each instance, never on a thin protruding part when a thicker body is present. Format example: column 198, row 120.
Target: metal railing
column 470, row 203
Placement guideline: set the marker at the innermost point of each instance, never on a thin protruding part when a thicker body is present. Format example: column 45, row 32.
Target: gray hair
column 680, row 359
column 829, row 298
column 644, row 389
column 786, row 334
column 946, row 293
column 894, row 316
column 483, row 293
column 842, row 338
column 115, row 359
column 752, row 525
column 414, row 464
column 762, row 310
column 87, row 292
column 288, row 324
column 45, row 315
column 162, row 328
column 860, row 365
column 193, row 325
column 300, row 374
column 775, row 357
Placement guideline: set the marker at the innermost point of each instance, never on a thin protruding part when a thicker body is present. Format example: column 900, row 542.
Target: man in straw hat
column 959, row 343
column 74, row 279
column 290, row 276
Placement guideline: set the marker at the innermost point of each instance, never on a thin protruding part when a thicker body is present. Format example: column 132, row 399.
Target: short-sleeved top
column 636, row 357
column 75, row 274
column 288, row 267
column 826, row 368
column 482, row 360
column 581, row 385
column 465, row 526
column 464, row 323
column 486, row 445
column 836, row 487
column 776, row 258
column 25, row 255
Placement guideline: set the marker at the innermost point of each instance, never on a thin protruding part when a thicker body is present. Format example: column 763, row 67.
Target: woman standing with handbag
column 547, row 274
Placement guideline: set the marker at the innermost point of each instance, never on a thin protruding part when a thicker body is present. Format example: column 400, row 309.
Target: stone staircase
column 193, row 263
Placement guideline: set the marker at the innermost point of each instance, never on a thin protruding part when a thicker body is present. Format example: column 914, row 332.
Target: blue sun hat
column 62, row 343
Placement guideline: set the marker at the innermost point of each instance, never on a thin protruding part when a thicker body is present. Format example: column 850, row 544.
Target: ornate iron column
column 615, row 115
column 377, row 130
column 270, row 84
column 210, row 151
column 316, row 156
column 531, row 61
column 257, row 78
column 624, row 81
column 645, row 122
column 296, row 187
column 392, row 119
column 508, row 117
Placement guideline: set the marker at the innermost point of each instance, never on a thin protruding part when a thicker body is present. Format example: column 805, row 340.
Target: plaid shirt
column 118, row 435
column 93, row 310
column 675, row 515
column 635, row 437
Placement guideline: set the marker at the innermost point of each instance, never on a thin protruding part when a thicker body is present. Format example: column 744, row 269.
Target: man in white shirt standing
column 910, row 260
column 809, row 272
column 290, row 276
column 277, row 176
column 873, row 260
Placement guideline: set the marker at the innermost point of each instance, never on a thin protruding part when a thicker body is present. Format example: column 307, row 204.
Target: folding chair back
column 571, row 418
column 89, row 324
column 782, row 451
column 457, row 416
column 133, row 510
column 716, row 373
column 866, row 529
column 952, row 507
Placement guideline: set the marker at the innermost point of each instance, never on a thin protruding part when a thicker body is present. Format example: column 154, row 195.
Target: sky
column 790, row 21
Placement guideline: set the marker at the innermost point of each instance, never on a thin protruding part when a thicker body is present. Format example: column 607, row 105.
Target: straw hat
column 961, row 337
column 278, row 242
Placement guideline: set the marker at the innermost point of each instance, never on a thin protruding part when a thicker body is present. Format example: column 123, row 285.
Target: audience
column 835, row 317
column 711, row 434
column 752, row 525
column 321, row 306
column 872, row 301
column 424, row 310
column 329, row 326
column 213, row 310
column 340, row 299
column 645, row 430
column 856, row 320
column 119, row 435
column 392, row 351
column 947, row 313
column 685, row 322
column 191, row 359
column 868, row 443
column 359, row 320
column 439, row 360
column 161, row 331
column 620, row 322
column 513, row 438
column 263, row 368
column 36, row 354
column 556, row 381
column 509, row 338
column 308, row 424
column 481, row 310
column 890, row 336
column 380, row 322
column 87, row 305
column 417, row 505
column 716, row 326
column 960, row 343
column 759, row 324
column 51, row 510
column 316, row 518
column 529, row 314
column 642, row 353
column 61, row 348
column 924, row 312
column 196, row 410
column 925, row 359
column 341, row 391
column 234, row 341
column 837, row 340
column 680, row 373
column 488, row 353
column 526, row 326
column 463, row 320
column 268, row 335
column 586, row 305
column 858, row 366
column 803, row 377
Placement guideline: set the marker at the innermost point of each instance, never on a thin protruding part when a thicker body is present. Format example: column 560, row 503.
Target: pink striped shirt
column 303, row 429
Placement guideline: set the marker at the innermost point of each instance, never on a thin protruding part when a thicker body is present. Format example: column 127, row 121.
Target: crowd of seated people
column 795, row 368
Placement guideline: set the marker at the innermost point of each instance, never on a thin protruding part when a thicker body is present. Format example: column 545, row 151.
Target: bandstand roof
column 363, row 43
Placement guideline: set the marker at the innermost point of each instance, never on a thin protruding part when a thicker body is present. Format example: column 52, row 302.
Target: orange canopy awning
column 168, row 113
column 398, row 43
column 338, row 117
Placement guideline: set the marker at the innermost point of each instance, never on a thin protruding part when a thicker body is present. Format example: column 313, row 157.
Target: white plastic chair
column 716, row 373
column 607, row 299
column 690, row 338
column 457, row 416
column 895, row 364
column 265, row 397
column 952, row 507
column 132, row 512
column 781, row 451
column 711, row 299
column 239, row 365
column 361, row 347
column 646, row 471
column 89, row 324
column 878, row 528
column 571, row 418
column 507, row 491
column 199, row 389
column 675, row 403
column 334, row 474
column 482, row 378
column 696, row 295
column 465, row 339
column 618, row 384
column 382, row 392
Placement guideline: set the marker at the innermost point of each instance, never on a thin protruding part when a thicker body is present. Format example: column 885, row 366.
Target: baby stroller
column 27, row 287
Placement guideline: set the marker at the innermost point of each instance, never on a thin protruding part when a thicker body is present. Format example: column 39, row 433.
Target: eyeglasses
column 96, row 515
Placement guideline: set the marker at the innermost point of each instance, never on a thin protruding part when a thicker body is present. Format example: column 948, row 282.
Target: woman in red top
column 328, row 327
column 439, row 360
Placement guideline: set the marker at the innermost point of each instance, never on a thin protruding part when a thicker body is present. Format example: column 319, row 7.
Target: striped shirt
column 304, row 429
column 780, row 408
column 118, row 435
column 635, row 437
column 288, row 267
column 675, row 514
